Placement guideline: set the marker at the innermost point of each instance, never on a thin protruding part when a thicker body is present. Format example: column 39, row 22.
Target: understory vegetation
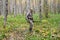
column 17, row 28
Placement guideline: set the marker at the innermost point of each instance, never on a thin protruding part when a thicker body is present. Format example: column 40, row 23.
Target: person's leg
column 31, row 25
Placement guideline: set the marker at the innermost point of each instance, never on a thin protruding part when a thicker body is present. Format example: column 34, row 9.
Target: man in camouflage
column 29, row 18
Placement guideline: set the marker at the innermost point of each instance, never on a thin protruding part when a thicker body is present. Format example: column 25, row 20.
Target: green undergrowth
column 42, row 30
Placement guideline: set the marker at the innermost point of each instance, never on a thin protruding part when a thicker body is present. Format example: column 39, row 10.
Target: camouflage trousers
column 31, row 24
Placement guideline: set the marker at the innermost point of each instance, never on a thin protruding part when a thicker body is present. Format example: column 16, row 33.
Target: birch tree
column 58, row 6
column 6, row 13
column 41, row 9
column 54, row 6
column 51, row 6
column 20, row 8
column 46, row 8
column 0, row 6
column 15, row 8
column 11, row 2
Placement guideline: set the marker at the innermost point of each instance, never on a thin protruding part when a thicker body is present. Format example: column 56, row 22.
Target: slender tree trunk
column 58, row 6
column 0, row 6
column 41, row 10
column 51, row 4
column 24, row 10
column 20, row 7
column 32, row 1
column 11, row 6
column 15, row 8
column 40, row 13
column 6, row 13
column 28, row 6
column 46, row 8
column 54, row 3
column 3, row 10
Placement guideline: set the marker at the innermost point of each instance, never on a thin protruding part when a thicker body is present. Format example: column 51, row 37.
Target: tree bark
column 58, row 6
column 46, row 8
column 41, row 9
column 15, row 8
column 6, row 13
column 0, row 6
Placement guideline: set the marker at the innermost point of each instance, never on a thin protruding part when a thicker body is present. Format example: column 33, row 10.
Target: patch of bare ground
column 17, row 34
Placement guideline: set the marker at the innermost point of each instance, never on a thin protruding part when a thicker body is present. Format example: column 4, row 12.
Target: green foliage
column 2, row 36
column 41, row 31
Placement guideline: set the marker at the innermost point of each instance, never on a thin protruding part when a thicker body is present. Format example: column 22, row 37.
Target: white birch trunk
column 6, row 13
column 15, row 8
column 41, row 9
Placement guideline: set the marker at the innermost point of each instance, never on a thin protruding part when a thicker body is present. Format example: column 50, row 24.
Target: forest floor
column 18, row 29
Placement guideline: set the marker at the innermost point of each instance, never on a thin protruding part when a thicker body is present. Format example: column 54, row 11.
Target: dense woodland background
column 19, row 6
column 14, row 26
